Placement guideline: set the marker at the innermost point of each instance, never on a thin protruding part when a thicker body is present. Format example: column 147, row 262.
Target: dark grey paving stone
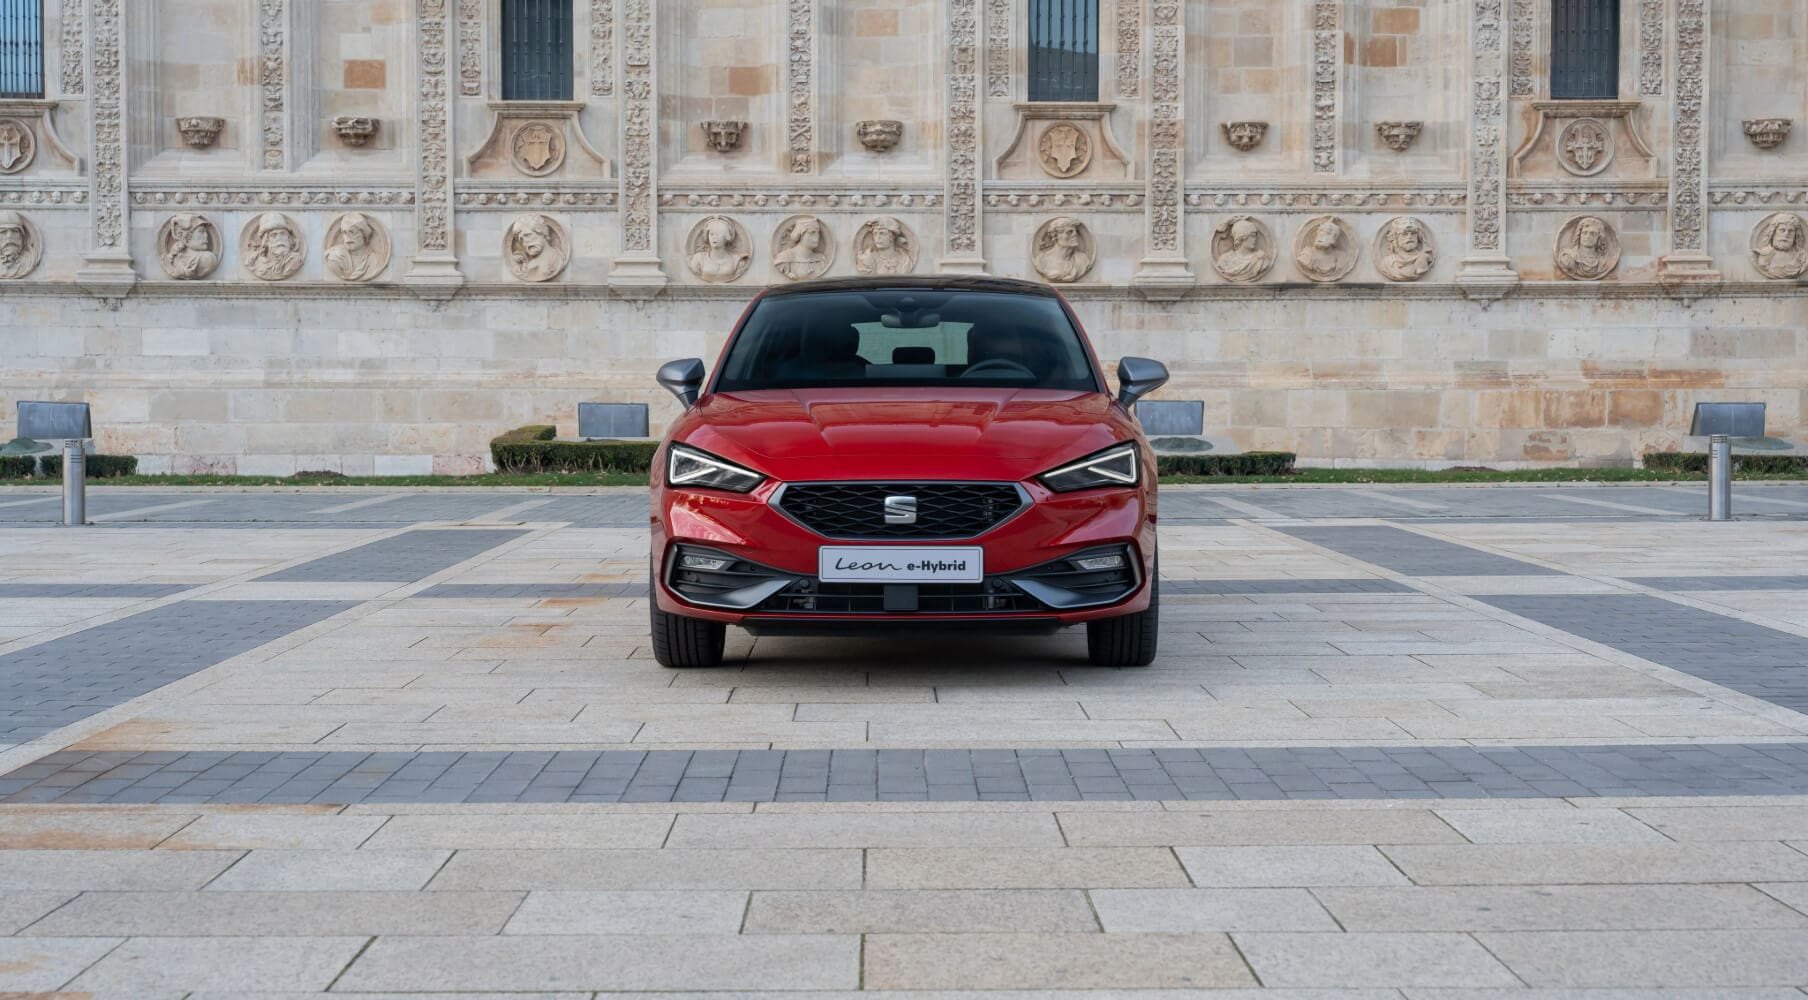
column 401, row 558
column 111, row 590
column 1723, row 582
column 534, row 590
column 1299, row 586
column 1413, row 554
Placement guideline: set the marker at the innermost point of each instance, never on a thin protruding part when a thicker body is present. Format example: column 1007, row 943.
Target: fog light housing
column 1110, row 560
column 704, row 561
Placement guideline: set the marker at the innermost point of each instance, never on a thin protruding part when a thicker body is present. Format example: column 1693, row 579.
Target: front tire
column 1130, row 640
column 681, row 642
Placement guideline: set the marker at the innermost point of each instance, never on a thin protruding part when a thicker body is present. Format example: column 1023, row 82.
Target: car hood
column 904, row 433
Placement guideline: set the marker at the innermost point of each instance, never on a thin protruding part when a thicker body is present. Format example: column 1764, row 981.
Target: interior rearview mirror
column 684, row 379
column 1137, row 377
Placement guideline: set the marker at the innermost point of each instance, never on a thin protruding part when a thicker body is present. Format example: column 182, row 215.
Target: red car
column 905, row 453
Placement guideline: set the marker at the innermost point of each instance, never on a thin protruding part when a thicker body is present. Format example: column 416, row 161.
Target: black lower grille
column 943, row 510
column 869, row 598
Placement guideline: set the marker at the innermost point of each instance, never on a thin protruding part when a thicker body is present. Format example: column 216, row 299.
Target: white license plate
column 901, row 564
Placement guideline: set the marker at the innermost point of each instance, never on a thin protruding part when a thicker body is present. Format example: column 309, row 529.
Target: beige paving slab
column 935, row 713
column 43, row 964
column 1529, row 864
column 1556, row 907
column 18, row 909
column 277, row 870
column 1643, row 993
column 1192, row 911
column 1284, row 867
column 823, row 694
column 969, row 829
column 29, row 871
column 1548, row 826
column 1051, row 961
column 246, row 830
column 477, row 733
column 1722, row 823
column 1791, row 893
column 957, row 911
column 524, row 832
column 77, row 830
column 652, row 869
column 1371, row 959
column 1300, row 826
column 1022, row 868
column 245, row 964
column 601, row 912
column 278, row 914
column 460, row 995
column 609, row 962
column 982, row 732
column 1654, row 958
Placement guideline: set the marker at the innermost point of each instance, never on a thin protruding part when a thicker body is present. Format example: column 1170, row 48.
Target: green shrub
column 99, row 466
column 539, row 455
column 17, row 466
column 1249, row 463
column 1696, row 463
column 532, row 432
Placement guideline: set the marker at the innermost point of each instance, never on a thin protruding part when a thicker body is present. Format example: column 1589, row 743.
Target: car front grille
column 943, row 510
column 869, row 598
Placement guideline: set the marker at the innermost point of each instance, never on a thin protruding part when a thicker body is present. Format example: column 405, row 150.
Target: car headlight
column 687, row 466
column 1115, row 466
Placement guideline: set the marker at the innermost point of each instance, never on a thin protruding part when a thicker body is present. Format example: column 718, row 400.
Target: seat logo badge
column 900, row 510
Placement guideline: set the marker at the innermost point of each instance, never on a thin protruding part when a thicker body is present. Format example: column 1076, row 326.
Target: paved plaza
column 1413, row 743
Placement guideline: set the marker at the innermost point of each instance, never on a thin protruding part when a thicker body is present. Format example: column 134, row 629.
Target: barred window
column 536, row 50
column 21, row 48
column 1585, row 49
column 1064, row 50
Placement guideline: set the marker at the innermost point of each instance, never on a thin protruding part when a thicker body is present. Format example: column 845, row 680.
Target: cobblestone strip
column 1413, row 554
column 403, row 558
column 349, row 777
column 74, row 590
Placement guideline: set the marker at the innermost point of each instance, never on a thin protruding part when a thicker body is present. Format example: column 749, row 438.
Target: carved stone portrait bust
column 802, row 247
column 1325, row 249
column 1063, row 250
column 1587, row 248
column 1242, row 249
column 884, row 246
column 1779, row 246
column 271, row 247
column 718, row 249
column 188, row 247
column 21, row 246
column 357, row 247
column 535, row 248
column 1403, row 250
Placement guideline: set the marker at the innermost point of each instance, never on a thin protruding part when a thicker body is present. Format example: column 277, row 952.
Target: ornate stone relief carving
column 271, row 247
column 107, row 142
column 1585, row 147
column 1327, row 60
column 1038, row 200
column 1063, row 150
column 200, row 131
column 434, row 193
column 1064, row 141
column 188, row 246
column 1243, row 249
column 1164, row 265
column 1588, row 249
column 536, row 139
column 475, row 195
column 800, row 19
column 357, row 247
column 1404, row 250
column 1399, row 136
column 637, row 133
column 998, row 47
column 1294, row 200
column 1244, row 136
column 1651, row 47
column 724, row 136
column 73, row 58
column 470, row 47
column 1768, row 133
column 537, row 149
column 1760, row 196
column 1584, row 139
column 785, row 200
column 1063, row 250
column 1486, row 265
column 272, row 26
column 535, row 248
column 21, row 246
column 885, row 246
column 1325, row 248
column 1779, row 246
column 355, row 130
column 961, row 207
column 718, row 249
column 147, row 194
column 1129, row 47
column 802, row 247
column 1555, row 199
column 1524, row 42
column 18, row 145
column 1688, row 258
column 880, row 134
column 602, row 47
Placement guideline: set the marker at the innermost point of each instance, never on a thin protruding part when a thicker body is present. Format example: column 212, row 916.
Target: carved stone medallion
column 535, row 248
column 879, row 134
column 718, row 249
column 355, row 130
column 357, row 247
column 885, row 246
column 271, row 247
column 537, row 149
column 188, row 246
column 1244, row 136
column 1404, row 250
column 21, row 246
column 1399, row 136
column 200, row 131
column 802, row 247
column 1768, row 133
column 1063, row 150
column 1779, row 247
column 1063, row 249
column 724, row 136
column 1325, row 249
column 1242, row 249
column 1587, row 248
column 1585, row 147
column 18, row 145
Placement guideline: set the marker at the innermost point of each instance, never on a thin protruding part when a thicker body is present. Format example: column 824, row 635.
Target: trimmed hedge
column 98, row 466
column 17, row 466
column 1696, row 463
column 1249, row 463
column 532, row 449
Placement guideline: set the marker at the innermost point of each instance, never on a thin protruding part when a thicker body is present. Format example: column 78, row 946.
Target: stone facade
column 1357, row 229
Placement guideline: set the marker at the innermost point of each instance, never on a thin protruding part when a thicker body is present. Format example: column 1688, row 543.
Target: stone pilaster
column 1486, row 270
column 801, row 19
column 1688, row 259
column 1163, row 271
column 636, row 271
column 106, row 268
column 435, row 266
column 602, row 48
column 963, row 251
column 74, row 19
column 1327, row 84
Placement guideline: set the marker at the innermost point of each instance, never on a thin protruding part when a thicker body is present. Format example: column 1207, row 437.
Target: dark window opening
column 536, row 50
column 1064, row 50
column 21, row 48
column 1585, row 49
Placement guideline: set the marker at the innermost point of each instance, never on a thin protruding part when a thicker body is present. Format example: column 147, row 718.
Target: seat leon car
column 901, row 454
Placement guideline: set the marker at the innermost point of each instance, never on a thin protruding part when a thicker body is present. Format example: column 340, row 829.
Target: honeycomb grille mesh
column 857, row 510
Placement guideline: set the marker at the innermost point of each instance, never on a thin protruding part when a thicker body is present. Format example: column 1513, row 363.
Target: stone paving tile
column 225, row 963
column 1654, row 958
column 959, row 911
column 975, row 829
column 1372, row 959
column 464, row 832
column 278, row 914
column 1024, row 868
column 648, row 870
column 1548, row 826
column 1413, row 554
column 1192, row 911
column 320, row 871
column 1556, row 908
column 1414, row 826
column 1644, row 993
column 595, row 912
column 1052, row 961
column 1289, row 867
column 1724, row 824
column 401, row 558
column 142, row 591
column 68, row 830
column 1695, row 583
column 144, row 871
column 18, row 909
column 1627, row 864
column 242, row 831
column 43, row 964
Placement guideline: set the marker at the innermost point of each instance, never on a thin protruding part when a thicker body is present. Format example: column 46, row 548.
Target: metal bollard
column 75, row 484
column 1720, row 478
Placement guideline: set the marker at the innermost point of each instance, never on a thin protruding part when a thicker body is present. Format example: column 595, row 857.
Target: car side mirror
column 1137, row 377
column 684, row 379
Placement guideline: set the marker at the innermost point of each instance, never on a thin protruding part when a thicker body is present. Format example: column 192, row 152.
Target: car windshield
column 907, row 337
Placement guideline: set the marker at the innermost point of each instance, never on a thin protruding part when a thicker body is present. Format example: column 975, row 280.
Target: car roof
column 959, row 282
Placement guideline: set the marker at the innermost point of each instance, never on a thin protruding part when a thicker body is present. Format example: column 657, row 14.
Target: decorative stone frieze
column 1768, row 133
column 718, row 249
column 355, row 130
column 1063, row 250
column 800, row 67
column 1524, row 28
column 999, row 15
column 785, row 200
column 21, row 246
column 200, row 131
column 188, row 246
column 470, row 47
column 724, row 136
column 271, row 247
column 536, row 139
column 73, row 17
column 357, row 247
column 535, row 248
column 1244, row 136
column 1588, row 248
column 1327, row 78
column 176, row 193
column 802, row 247
column 272, row 29
column 18, row 145
column 885, row 246
column 1399, row 136
column 1651, row 47
column 1243, row 249
column 602, row 47
column 960, row 212
column 1404, row 250
column 1325, row 249
column 879, row 135
column 1315, row 197
column 1066, row 141
column 1779, row 246
column 1129, row 48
